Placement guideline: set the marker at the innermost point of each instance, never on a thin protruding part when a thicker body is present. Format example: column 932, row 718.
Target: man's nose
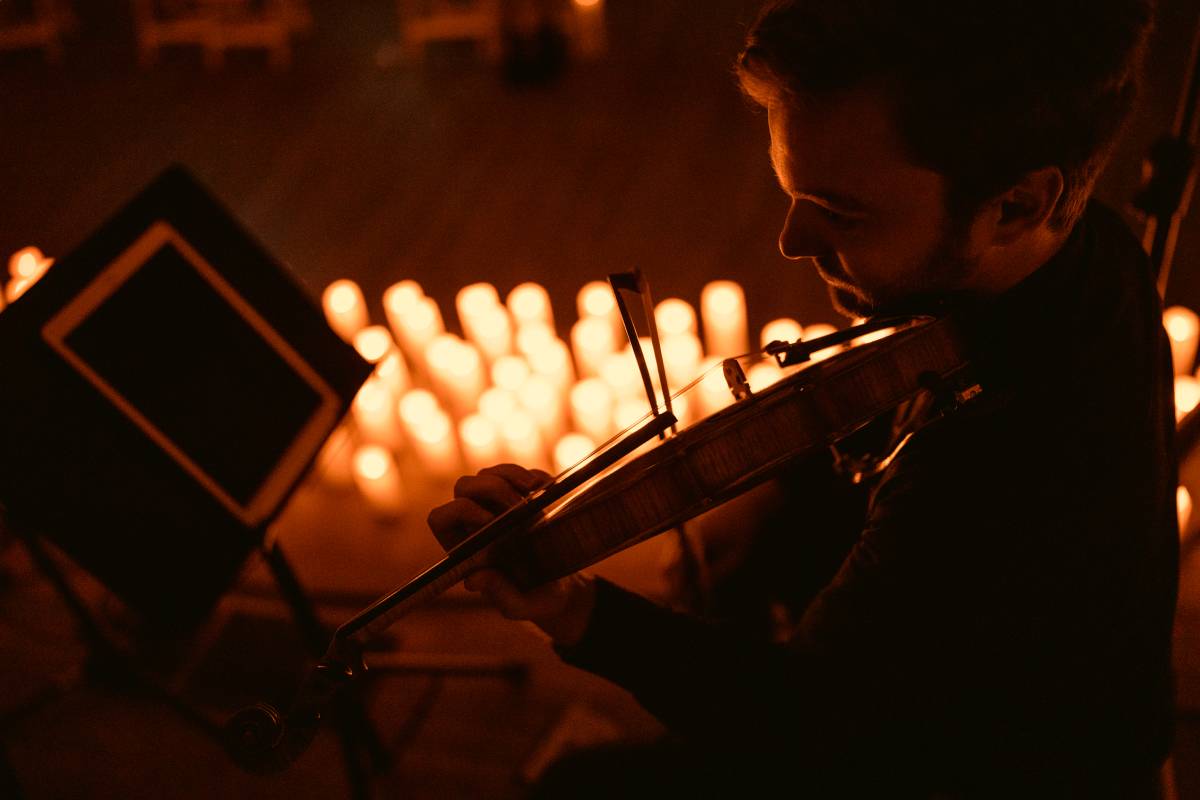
column 801, row 236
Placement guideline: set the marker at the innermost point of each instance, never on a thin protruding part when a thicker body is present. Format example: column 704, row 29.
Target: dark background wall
column 443, row 173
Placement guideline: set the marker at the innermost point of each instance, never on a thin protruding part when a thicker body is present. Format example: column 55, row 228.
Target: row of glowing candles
column 509, row 389
column 512, row 390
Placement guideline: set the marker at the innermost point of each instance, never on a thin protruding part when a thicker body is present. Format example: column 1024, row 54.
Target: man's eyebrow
column 824, row 197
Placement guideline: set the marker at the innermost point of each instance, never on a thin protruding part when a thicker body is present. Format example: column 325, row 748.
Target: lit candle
column 763, row 374
column 345, row 309
column 713, row 392
column 498, row 404
column 26, row 267
column 1187, row 395
column 1183, row 505
column 428, row 428
column 592, row 340
column 595, row 299
column 374, row 413
column 723, row 309
column 784, row 329
column 682, row 354
column 456, row 371
column 543, row 400
column 629, row 413
column 620, row 372
column 399, row 299
column 1183, row 328
column 480, row 439
column 590, row 36
column 420, row 326
column 572, row 449
column 394, row 372
column 378, row 480
column 553, row 361
column 675, row 317
column 533, row 337
column 491, row 331
column 373, row 343
column 335, row 461
column 592, row 408
column 523, row 440
column 472, row 302
column 510, row 372
column 529, row 303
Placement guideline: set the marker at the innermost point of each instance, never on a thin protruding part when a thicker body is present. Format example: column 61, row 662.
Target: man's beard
column 939, row 274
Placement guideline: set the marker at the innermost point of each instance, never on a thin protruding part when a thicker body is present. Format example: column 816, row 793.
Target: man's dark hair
column 983, row 92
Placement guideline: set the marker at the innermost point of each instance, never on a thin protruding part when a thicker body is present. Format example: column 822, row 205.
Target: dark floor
column 345, row 168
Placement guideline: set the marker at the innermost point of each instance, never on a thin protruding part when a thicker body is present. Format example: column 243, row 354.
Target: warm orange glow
column 534, row 337
column 372, row 462
column 492, row 332
column 475, row 299
column 394, row 372
column 336, row 459
column 587, row 3
column 784, row 329
column 344, row 296
column 509, row 372
column 763, row 374
column 480, row 440
column 816, row 332
column 1183, row 328
column 674, row 317
column 373, row 343
column 523, row 440
column 595, row 299
column 543, row 400
column 345, row 309
column 417, row 407
column 498, row 404
column 528, row 303
column 681, row 356
column 873, row 336
column 553, row 360
column 436, row 428
column 1187, row 395
column 28, row 263
column 402, row 297
column 620, row 372
column 714, row 393
column 374, row 414
column 572, row 449
column 723, row 310
column 592, row 340
column 1183, row 505
column 592, row 408
column 628, row 412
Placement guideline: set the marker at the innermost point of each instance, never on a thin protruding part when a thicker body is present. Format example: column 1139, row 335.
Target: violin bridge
column 735, row 379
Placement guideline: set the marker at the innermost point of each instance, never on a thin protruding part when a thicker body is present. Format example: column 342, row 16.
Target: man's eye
column 838, row 219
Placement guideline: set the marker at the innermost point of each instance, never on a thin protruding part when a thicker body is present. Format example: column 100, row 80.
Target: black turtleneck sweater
column 1002, row 622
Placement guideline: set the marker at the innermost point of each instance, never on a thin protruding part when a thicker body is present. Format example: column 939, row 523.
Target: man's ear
column 1027, row 205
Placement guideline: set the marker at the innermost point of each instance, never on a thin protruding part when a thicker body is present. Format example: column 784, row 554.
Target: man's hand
column 561, row 608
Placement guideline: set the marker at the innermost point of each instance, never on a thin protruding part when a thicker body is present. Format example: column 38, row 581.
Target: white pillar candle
column 529, row 303
column 682, row 355
column 1187, row 395
column 378, row 479
column 400, row 299
column 627, row 413
column 713, row 392
column 674, row 317
column 480, row 440
column 592, row 340
column 1183, row 506
column 374, row 412
column 723, row 310
column 620, row 372
column 553, row 361
column 373, row 343
column 429, row 430
column 420, row 326
column 533, row 337
column 335, row 461
column 523, row 440
column 471, row 303
column 498, row 404
column 595, row 299
column 1183, row 329
column 543, row 399
column 394, row 372
column 345, row 309
column 572, row 449
column 763, row 374
column 784, row 329
column 592, row 408
column 510, row 372
column 456, row 371
column 491, row 332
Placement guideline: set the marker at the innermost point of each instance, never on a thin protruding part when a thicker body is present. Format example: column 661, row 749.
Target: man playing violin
column 999, row 624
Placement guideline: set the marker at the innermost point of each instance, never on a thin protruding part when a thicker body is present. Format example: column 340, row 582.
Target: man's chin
column 850, row 304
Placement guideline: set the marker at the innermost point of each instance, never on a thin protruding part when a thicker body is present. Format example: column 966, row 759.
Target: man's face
column 873, row 223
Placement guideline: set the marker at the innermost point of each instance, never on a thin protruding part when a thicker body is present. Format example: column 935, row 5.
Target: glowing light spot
column 373, row 343
column 572, row 449
column 475, row 299
column 402, row 297
column 478, row 431
column 595, row 299
column 674, row 317
column 1183, row 505
column 343, row 296
column 372, row 462
column 1181, row 323
column 784, row 329
column 533, row 338
column 435, row 429
column 509, row 372
column 586, row 3
column 418, row 407
column 1187, row 395
column 529, row 302
column 723, row 297
column 498, row 404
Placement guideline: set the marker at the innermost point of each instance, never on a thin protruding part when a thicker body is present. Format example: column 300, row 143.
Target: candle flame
column 596, row 300
column 373, row 343
column 784, row 329
column 498, row 404
column 572, row 449
column 529, row 302
column 343, row 295
column 509, row 372
column 1183, row 505
column 372, row 462
column 722, row 297
column 534, row 337
column 478, row 431
column 674, row 317
column 1187, row 395
column 417, row 407
column 1181, row 323
column 475, row 299
column 402, row 297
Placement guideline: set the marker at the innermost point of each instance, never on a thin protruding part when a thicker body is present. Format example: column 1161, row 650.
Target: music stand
column 171, row 384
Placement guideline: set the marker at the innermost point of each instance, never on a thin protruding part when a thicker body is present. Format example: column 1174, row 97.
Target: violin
column 621, row 497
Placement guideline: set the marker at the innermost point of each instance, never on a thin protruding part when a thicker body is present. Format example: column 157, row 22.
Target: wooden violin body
column 732, row 451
